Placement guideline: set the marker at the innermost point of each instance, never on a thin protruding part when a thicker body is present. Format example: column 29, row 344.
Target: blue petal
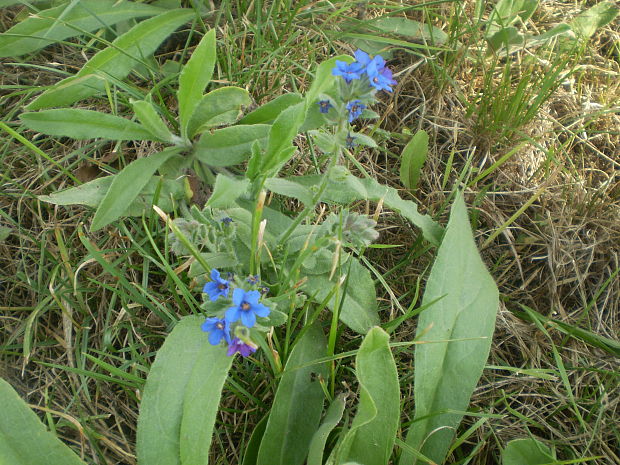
column 215, row 337
column 238, row 296
column 215, row 275
column 362, row 57
column 232, row 314
column 261, row 310
column 248, row 319
column 252, row 297
column 211, row 289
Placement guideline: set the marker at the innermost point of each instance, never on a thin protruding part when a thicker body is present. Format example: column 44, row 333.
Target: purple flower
column 324, row 106
column 348, row 71
column 238, row 346
column 217, row 286
column 380, row 75
column 253, row 279
column 227, row 220
column 355, row 109
column 350, row 141
column 217, row 329
column 246, row 308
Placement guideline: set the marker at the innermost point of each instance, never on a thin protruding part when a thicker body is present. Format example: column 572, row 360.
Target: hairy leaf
column 412, row 159
column 226, row 190
column 267, row 113
column 527, row 452
column 230, row 146
column 298, row 403
column 219, row 107
column 114, row 62
column 332, row 418
column 58, row 23
column 458, row 328
column 24, row 440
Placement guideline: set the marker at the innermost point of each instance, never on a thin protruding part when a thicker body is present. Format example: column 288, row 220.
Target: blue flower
column 355, row 109
column 380, row 76
column 227, row 220
column 348, row 71
column 217, row 286
column 246, row 307
column 362, row 57
column 217, row 329
column 239, row 346
column 324, row 106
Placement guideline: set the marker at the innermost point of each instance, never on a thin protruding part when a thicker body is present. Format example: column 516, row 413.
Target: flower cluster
column 363, row 77
column 233, row 327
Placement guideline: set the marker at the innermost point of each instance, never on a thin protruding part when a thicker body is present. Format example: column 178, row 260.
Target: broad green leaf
column 214, row 260
column 506, row 39
column 202, row 399
column 560, row 29
column 230, row 146
column 281, row 136
column 218, row 108
column 226, row 191
column 410, row 28
column 298, row 403
column 55, row 24
column 267, row 113
column 24, row 440
column 527, row 452
column 412, row 159
column 126, row 186
column 290, row 189
column 587, row 22
column 458, row 328
column 84, row 124
column 194, row 78
column 371, row 438
column 114, row 62
column 507, row 12
column 4, row 232
column 332, row 418
column 324, row 79
column 93, row 192
column 150, row 119
column 250, row 454
column 182, row 391
column 359, row 309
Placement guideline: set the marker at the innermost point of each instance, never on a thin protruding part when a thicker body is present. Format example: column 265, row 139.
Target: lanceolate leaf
column 226, row 191
column 267, row 113
column 148, row 116
column 281, row 135
column 458, row 329
column 219, row 107
column 412, row 159
column 50, row 26
column 359, row 309
column 24, row 440
column 195, row 76
column 188, row 374
column 84, row 124
column 298, row 403
column 527, row 452
column 332, row 418
column 371, row 438
column 114, row 62
column 230, row 146
column 127, row 185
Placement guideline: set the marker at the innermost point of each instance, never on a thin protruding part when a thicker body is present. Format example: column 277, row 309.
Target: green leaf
column 214, row 260
column 93, row 192
column 126, row 186
column 410, row 28
column 412, row 159
column 24, row 440
column 84, row 124
column 507, row 12
column 219, row 107
column 506, row 39
column 194, row 78
column 459, row 328
column 527, row 452
column 332, row 418
column 298, row 403
column 290, row 189
column 345, row 189
column 324, row 79
column 359, row 309
column 226, row 191
column 251, row 450
column 181, row 397
column 150, row 119
column 587, row 22
column 371, row 437
column 281, row 136
column 5, row 232
column 115, row 62
column 267, row 113
column 230, row 146
column 55, row 24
